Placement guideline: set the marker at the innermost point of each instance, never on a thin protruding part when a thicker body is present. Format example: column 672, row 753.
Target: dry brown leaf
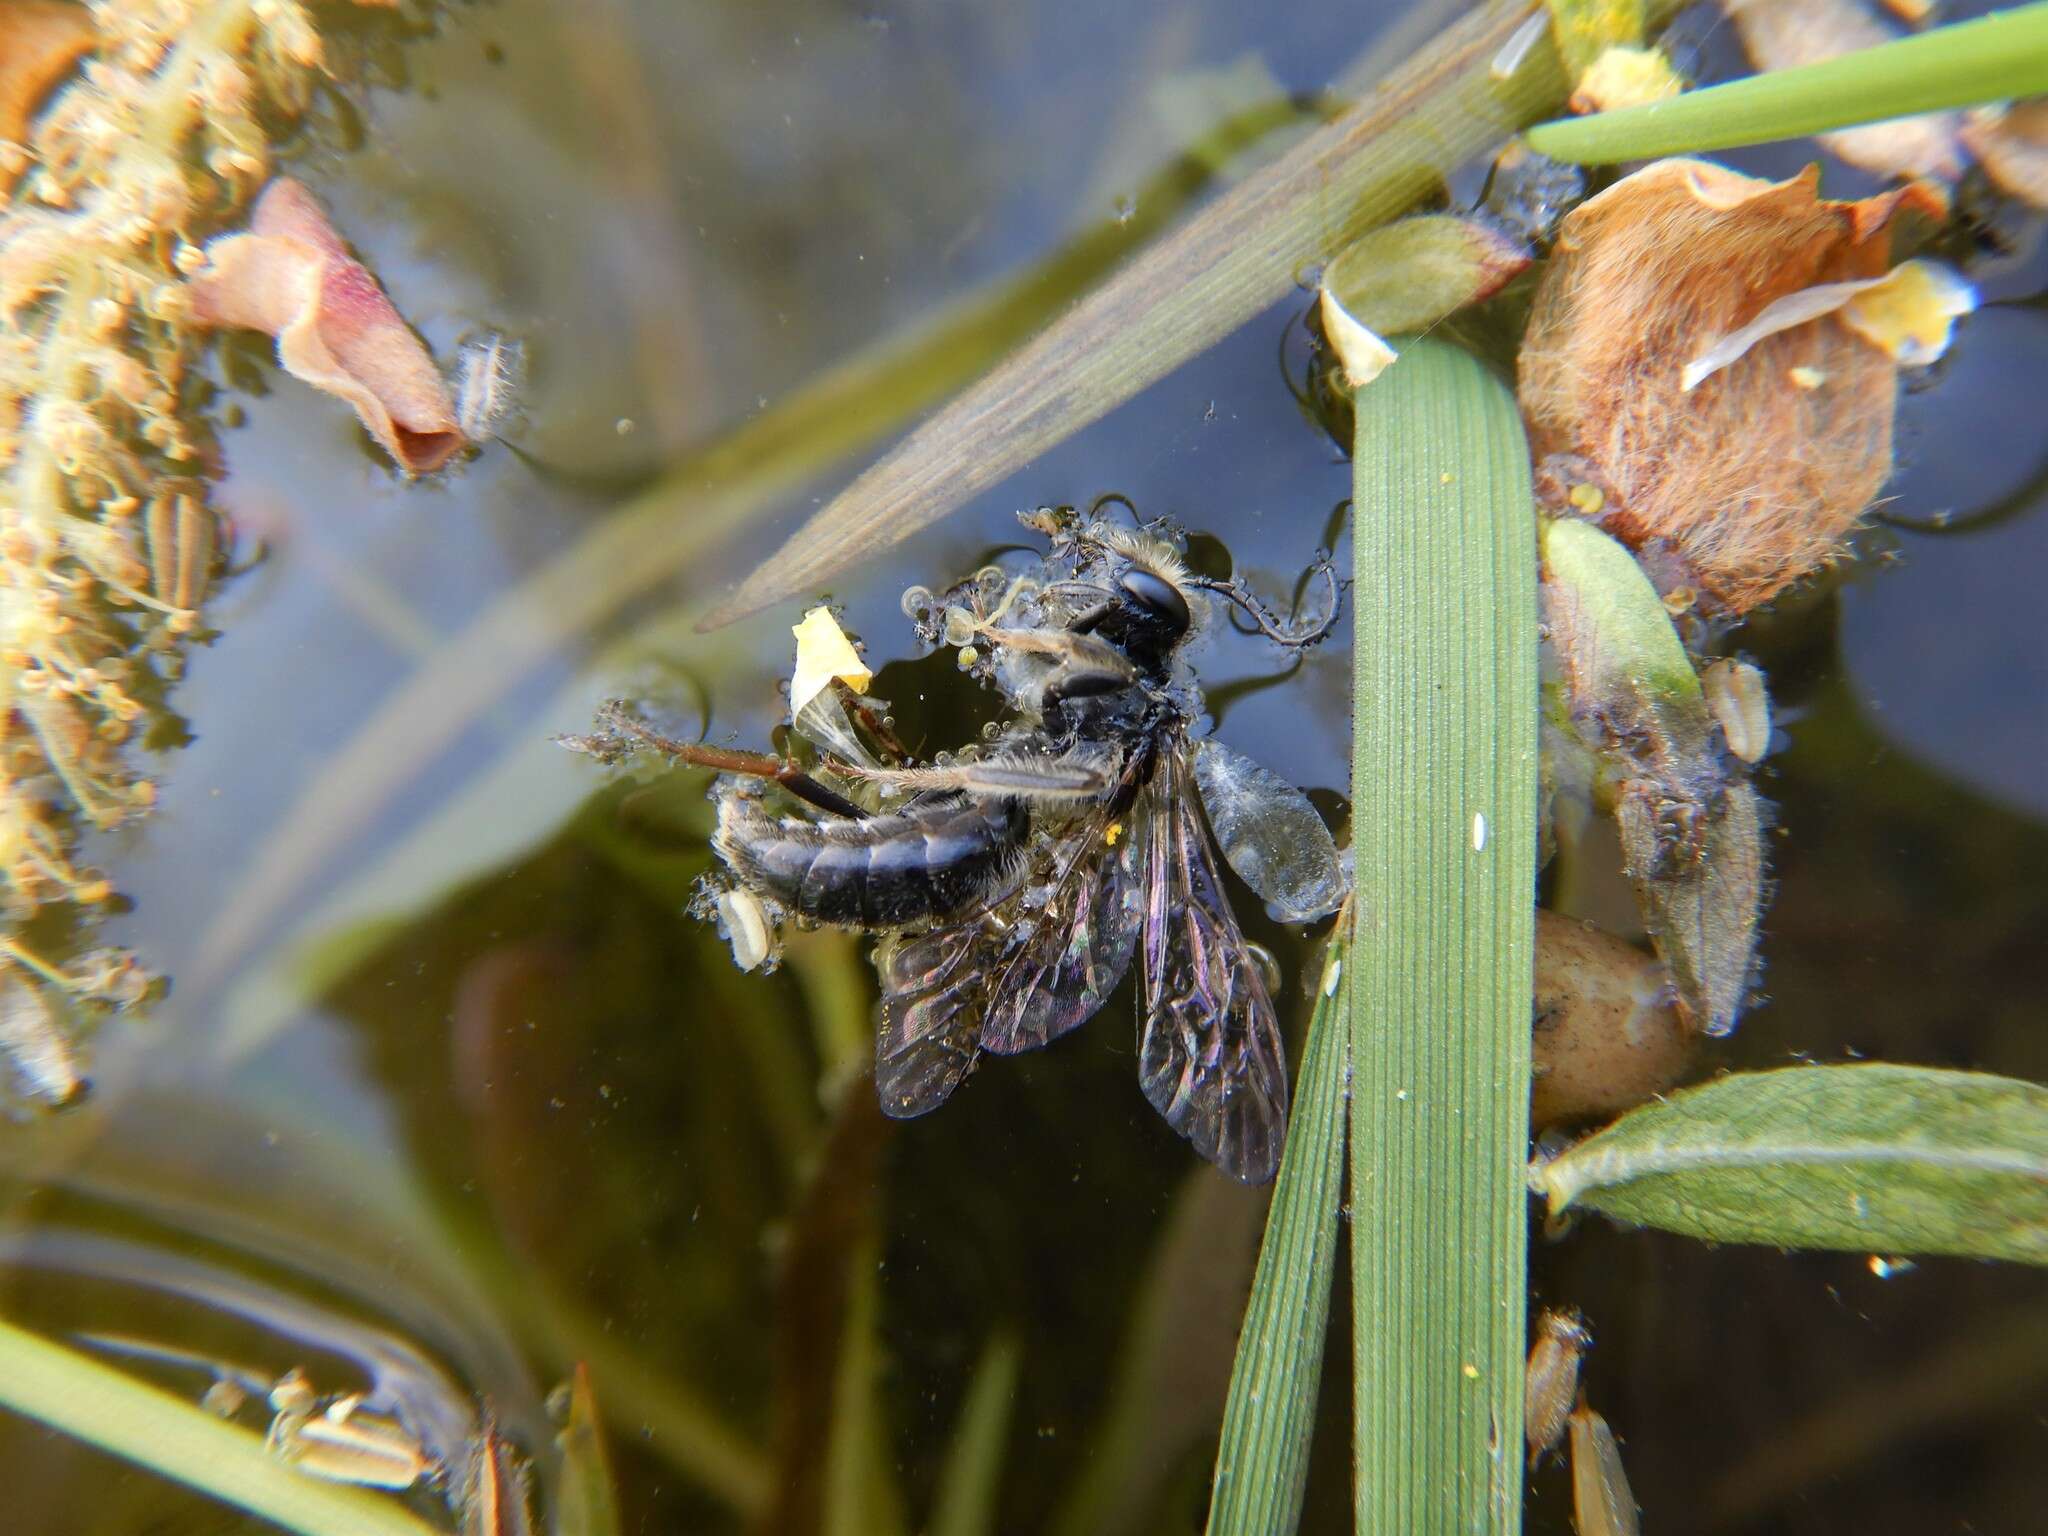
column 291, row 276
column 40, row 42
column 2012, row 144
column 1784, row 34
column 1749, row 481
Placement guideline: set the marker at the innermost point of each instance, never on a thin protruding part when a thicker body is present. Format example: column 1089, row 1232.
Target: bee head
column 1150, row 615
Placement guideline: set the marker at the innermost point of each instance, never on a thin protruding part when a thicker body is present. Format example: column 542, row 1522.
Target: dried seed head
column 1553, row 1380
column 172, row 302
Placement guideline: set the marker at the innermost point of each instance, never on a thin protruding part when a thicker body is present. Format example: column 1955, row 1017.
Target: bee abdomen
column 882, row 872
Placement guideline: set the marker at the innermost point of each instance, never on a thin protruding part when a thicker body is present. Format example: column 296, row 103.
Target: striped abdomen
column 933, row 860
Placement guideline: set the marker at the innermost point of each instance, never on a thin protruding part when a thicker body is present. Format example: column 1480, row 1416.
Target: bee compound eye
column 1157, row 596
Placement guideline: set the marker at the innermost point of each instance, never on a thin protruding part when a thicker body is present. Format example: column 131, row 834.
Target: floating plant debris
column 1743, row 484
column 108, row 545
column 1607, row 1034
column 489, row 373
column 1602, row 1502
column 291, row 276
column 1408, row 275
column 1363, row 355
column 1627, row 726
column 40, row 43
column 1626, row 77
column 1561, row 1343
column 2011, row 143
column 823, row 653
column 1908, row 314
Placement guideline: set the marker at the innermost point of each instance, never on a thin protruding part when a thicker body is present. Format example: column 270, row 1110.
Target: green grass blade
column 1262, row 1462
column 973, row 1474
column 1872, row 1158
column 1993, row 58
column 108, row 1408
column 1444, row 825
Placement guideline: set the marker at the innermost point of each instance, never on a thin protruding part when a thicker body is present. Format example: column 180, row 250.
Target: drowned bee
column 1012, row 887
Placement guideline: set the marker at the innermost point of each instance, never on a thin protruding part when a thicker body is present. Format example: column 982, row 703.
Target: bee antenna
column 1295, row 638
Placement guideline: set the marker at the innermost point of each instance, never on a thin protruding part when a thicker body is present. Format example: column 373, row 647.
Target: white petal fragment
column 1364, row 356
column 1909, row 313
column 822, row 653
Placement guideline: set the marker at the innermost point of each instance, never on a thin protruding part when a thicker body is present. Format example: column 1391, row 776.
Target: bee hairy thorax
column 931, row 859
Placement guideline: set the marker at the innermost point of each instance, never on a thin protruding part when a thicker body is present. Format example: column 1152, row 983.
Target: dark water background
column 534, row 1114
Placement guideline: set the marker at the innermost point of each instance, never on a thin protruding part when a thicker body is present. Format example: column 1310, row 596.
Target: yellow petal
column 822, row 653
column 1912, row 313
column 1626, row 77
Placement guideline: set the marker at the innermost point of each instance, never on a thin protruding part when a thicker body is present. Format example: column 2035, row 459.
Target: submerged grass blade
column 587, row 1503
column 1242, row 253
column 1262, row 1462
column 107, row 1408
column 972, row 1477
column 1872, row 1158
column 1993, row 58
column 1444, row 785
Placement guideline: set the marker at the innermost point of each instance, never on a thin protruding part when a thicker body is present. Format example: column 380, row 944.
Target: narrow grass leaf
column 1444, row 784
column 1262, row 1462
column 587, row 1503
column 1245, row 251
column 108, row 1408
column 972, row 1477
column 1872, row 1158
column 1993, row 58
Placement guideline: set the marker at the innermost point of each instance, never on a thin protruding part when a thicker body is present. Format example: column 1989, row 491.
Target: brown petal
column 1752, row 478
column 39, row 44
column 292, row 277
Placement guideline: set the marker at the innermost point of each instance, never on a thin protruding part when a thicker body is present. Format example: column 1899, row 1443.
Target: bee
column 1012, row 888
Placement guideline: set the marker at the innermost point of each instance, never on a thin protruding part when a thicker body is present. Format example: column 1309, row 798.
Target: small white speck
column 1478, row 832
column 1401, row 1094
column 1330, row 975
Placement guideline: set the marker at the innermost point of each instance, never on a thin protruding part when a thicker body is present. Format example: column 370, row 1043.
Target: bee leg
column 1080, row 682
column 1089, row 620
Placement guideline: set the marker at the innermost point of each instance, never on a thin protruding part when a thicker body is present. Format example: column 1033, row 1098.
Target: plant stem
column 1444, row 790
column 1990, row 59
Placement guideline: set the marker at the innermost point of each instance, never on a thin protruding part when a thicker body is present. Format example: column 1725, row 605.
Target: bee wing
column 935, row 993
column 1270, row 835
column 1210, row 1057
column 1078, row 946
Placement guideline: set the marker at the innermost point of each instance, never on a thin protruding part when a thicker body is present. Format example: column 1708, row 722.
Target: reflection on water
column 537, row 1117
